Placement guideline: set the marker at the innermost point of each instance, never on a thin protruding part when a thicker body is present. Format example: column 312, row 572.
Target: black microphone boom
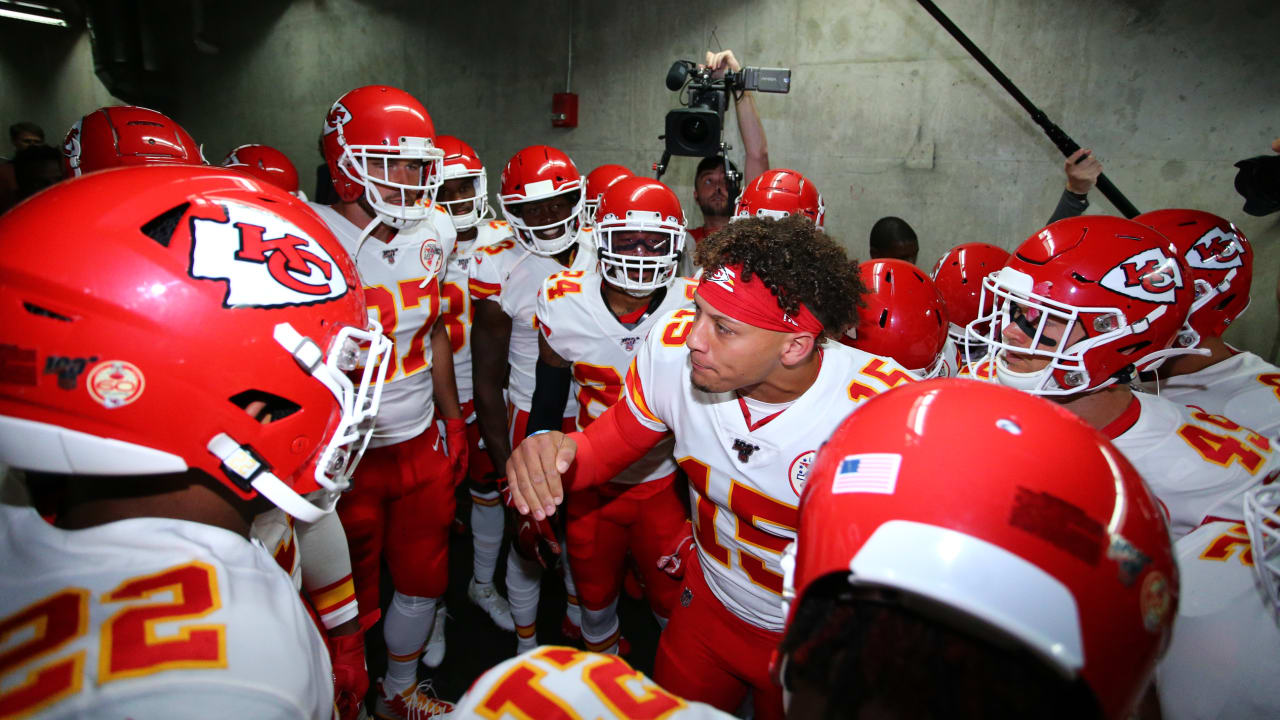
column 1055, row 133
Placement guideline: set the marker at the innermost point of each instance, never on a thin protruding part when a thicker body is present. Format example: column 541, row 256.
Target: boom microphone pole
column 1055, row 133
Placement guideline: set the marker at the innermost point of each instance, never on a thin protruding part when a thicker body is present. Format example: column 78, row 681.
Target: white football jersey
column 512, row 278
column 1198, row 465
column 1226, row 646
column 1244, row 387
column 327, row 575
column 457, row 313
column 402, row 280
column 560, row 683
column 273, row 529
column 745, row 483
column 580, row 327
column 152, row 617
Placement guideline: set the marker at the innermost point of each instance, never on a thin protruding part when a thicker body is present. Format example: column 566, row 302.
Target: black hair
column 890, row 232
column 861, row 648
column 25, row 127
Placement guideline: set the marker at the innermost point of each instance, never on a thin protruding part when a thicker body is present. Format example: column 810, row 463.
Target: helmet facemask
column 616, row 243
column 1263, row 524
column 478, row 206
column 370, row 167
column 1007, row 298
column 348, row 435
column 528, row 235
column 938, row 368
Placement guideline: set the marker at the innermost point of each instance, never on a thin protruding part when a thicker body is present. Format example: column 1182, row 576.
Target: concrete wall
column 46, row 77
column 888, row 115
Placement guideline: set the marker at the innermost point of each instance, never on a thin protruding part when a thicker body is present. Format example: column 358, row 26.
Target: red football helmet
column 461, row 161
column 123, row 135
column 383, row 124
column 265, row 163
column 598, row 181
column 904, row 317
column 779, row 193
column 539, row 172
column 628, row 260
column 924, row 492
column 1221, row 262
column 1124, row 286
column 958, row 276
column 179, row 296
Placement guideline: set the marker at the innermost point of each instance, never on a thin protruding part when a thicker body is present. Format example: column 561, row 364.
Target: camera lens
column 694, row 130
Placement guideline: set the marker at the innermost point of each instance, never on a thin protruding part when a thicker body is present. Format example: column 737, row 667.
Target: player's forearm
column 491, row 413
column 550, row 396
column 490, row 336
column 754, row 142
column 444, row 384
column 610, row 445
column 326, row 570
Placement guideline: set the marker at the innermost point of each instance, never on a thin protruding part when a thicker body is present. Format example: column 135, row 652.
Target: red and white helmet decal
column 266, row 260
column 1151, row 275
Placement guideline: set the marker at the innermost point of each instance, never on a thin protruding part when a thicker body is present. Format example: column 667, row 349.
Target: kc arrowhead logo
column 1151, row 275
column 266, row 260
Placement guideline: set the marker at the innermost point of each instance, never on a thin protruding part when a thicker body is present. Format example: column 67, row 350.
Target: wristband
column 537, row 432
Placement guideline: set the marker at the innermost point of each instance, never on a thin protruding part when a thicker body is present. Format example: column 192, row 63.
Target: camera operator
column 710, row 186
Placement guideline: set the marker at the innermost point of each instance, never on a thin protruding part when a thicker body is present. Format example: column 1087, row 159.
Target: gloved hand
column 675, row 563
column 455, row 442
column 350, row 676
column 535, row 539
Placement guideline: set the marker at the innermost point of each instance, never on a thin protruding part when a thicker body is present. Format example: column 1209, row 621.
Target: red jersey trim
column 1127, row 419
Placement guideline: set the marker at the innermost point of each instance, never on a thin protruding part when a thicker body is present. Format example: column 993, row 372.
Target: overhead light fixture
column 33, row 12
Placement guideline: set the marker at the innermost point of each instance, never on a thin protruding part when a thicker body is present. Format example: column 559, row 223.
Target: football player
column 1227, row 644
column 465, row 194
column 561, row 683
column 958, row 276
column 779, row 193
column 598, row 181
column 124, row 136
column 749, row 387
column 1084, row 305
column 892, row 237
column 903, row 317
column 314, row 553
column 775, row 194
column 379, row 143
column 1226, row 381
column 592, row 324
column 189, row 352
column 542, row 199
column 969, row 552
column 266, row 163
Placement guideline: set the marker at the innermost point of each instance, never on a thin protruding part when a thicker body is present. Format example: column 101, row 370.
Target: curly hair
column 797, row 261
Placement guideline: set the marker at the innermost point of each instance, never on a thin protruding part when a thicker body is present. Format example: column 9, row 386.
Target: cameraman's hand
column 1082, row 175
column 719, row 62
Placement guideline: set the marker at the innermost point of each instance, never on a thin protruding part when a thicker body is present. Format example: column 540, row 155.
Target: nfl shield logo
column 390, row 255
column 629, row 343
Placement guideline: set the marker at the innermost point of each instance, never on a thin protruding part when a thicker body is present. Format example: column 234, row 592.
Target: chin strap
column 247, row 469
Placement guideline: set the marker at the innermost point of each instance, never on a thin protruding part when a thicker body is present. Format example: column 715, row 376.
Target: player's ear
column 797, row 347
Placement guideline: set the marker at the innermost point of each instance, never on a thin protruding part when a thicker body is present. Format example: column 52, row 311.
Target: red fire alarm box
column 564, row 110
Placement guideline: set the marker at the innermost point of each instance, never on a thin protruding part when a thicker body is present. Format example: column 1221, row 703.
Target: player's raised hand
column 534, row 470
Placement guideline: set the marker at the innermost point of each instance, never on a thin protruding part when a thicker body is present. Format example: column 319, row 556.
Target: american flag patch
column 867, row 473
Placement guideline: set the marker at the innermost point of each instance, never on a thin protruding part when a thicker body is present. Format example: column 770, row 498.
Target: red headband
column 751, row 302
